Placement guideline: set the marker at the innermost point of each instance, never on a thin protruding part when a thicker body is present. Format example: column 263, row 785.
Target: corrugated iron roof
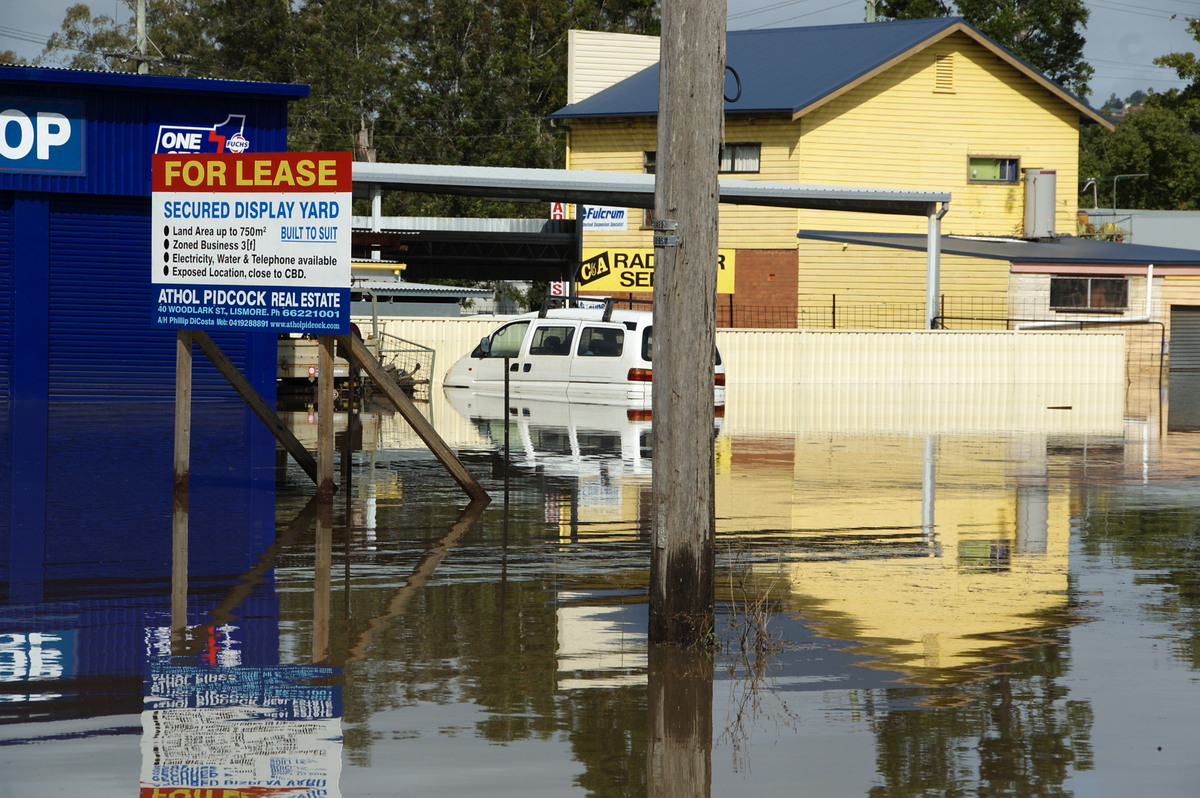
column 135, row 82
column 1064, row 250
column 786, row 71
column 400, row 288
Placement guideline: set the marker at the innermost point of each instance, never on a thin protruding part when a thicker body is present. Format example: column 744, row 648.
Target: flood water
column 910, row 603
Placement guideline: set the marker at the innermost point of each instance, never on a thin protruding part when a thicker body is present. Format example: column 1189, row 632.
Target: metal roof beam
column 624, row 189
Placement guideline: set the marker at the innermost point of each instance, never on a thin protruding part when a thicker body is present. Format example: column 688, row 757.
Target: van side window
column 648, row 343
column 601, row 341
column 551, row 341
column 506, row 342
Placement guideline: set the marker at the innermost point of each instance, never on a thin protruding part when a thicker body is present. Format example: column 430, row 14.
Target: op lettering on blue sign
column 41, row 136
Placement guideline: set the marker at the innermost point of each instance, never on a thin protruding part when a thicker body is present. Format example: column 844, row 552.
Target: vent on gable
column 943, row 73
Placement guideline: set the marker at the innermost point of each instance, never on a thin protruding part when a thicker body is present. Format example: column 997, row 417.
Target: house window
column 740, row 158
column 992, row 169
column 743, row 158
column 1109, row 294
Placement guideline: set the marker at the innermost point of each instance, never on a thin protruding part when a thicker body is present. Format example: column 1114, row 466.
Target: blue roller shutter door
column 6, row 273
column 102, row 344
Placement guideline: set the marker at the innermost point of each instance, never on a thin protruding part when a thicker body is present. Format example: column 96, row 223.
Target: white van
column 593, row 355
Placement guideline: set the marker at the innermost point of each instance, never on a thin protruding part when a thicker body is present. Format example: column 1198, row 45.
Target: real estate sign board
column 252, row 241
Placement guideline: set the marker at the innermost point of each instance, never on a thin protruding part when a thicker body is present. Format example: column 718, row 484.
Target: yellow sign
column 632, row 270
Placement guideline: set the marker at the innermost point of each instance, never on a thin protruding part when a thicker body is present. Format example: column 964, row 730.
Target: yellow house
column 924, row 105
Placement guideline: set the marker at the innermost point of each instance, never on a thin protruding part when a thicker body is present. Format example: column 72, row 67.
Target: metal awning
column 630, row 190
column 625, row 189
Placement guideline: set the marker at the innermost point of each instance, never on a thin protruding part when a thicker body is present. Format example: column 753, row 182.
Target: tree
column 913, row 9
column 427, row 81
column 11, row 58
column 1162, row 140
column 1113, row 103
column 1045, row 33
column 1187, row 67
column 179, row 45
column 347, row 53
column 1156, row 141
column 479, row 79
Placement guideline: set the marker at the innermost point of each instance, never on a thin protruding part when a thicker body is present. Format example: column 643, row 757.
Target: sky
column 1122, row 37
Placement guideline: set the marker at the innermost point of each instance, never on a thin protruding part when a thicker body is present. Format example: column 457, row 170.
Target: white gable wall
column 598, row 60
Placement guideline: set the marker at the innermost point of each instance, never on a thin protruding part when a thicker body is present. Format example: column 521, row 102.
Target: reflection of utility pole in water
column 322, row 575
column 182, row 477
column 679, row 748
column 929, row 496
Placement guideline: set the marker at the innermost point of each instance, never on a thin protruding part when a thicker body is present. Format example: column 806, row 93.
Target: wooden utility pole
column 690, row 132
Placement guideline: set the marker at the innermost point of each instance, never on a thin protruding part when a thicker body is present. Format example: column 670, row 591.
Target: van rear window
column 601, row 341
column 551, row 341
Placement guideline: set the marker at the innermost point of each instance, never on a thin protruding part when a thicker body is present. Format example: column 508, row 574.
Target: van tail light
column 633, row 414
column 640, row 375
column 719, row 411
column 719, row 380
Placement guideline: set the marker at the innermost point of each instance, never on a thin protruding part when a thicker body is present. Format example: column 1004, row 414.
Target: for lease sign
column 256, row 241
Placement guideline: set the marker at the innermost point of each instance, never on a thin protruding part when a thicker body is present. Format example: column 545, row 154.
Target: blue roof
column 155, row 83
column 785, row 70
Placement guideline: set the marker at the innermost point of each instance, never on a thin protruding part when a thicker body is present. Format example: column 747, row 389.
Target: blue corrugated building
column 85, row 471
column 75, row 292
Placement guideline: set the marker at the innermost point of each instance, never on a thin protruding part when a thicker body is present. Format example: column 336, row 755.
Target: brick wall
column 765, row 290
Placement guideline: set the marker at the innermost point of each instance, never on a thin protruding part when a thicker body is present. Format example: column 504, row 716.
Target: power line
column 22, row 35
column 1141, row 10
column 777, row 6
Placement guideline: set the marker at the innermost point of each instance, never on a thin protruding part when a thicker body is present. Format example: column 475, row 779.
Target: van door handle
column 515, row 367
column 528, row 366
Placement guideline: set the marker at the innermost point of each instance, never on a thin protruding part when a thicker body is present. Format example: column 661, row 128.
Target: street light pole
column 1115, row 179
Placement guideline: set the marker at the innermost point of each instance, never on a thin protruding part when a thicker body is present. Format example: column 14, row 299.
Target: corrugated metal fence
column 895, row 381
column 794, row 357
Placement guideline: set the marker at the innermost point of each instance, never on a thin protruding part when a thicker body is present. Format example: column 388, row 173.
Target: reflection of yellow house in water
column 955, row 549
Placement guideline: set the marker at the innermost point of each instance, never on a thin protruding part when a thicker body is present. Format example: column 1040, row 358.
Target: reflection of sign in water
column 599, row 645
column 38, row 658
column 633, row 270
column 241, row 731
